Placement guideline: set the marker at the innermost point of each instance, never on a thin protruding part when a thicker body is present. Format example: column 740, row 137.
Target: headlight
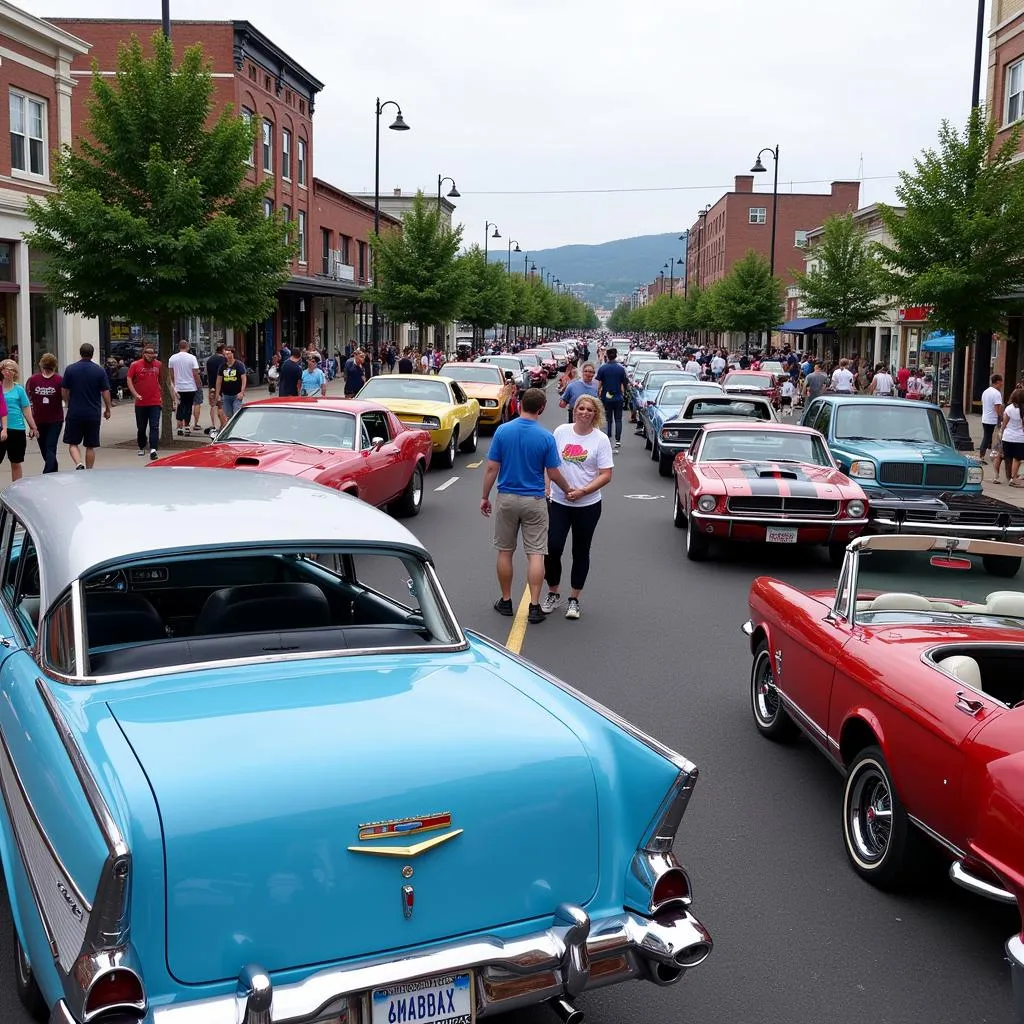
column 488, row 403
column 975, row 475
column 431, row 423
column 707, row 503
column 863, row 469
column 855, row 509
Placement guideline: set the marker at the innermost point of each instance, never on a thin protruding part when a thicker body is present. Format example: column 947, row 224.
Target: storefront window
column 885, row 354
column 7, row 313
column 6, row 261
column 43, row 316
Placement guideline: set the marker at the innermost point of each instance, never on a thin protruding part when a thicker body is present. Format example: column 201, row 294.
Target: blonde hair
column 11, row 365
column 595, row 405
column 48, row 361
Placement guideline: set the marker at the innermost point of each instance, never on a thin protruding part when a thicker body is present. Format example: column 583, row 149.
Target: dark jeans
column 147, row 414
column 613, row 413
column 184, row 413
column 48, row 436
column 582, row 521
column 987, row 430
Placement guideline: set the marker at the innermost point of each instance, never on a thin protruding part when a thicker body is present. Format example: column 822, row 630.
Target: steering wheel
column 331, row 441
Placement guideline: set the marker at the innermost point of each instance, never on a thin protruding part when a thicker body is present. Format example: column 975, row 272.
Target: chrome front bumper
column 1015, row 954
column 562, row 961
column 951, row 528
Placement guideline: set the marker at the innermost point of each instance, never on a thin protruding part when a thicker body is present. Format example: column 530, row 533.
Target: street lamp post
column 398, row 125
column 685, row 237
column 671, row 277
column 166, row 18
column 759, row 168
column 453, row 194
column 497, row 234
column 508, row 267
column 526, row 265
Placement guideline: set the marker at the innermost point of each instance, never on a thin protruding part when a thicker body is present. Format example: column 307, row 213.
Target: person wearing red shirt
column 47, row 408
column 144, row 384
column 902, row 380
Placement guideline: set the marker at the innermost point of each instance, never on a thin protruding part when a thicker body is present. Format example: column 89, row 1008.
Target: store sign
column 916, row 313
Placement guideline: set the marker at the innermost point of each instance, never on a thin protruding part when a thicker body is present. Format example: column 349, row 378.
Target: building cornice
column 250, row 42
column 357, row 203
column 32, row 31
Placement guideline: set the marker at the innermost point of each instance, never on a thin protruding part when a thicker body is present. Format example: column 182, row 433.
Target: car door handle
column 967, row 705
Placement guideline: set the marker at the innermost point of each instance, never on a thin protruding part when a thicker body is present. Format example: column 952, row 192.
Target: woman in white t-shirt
column 586, row 465
column 1013, row 435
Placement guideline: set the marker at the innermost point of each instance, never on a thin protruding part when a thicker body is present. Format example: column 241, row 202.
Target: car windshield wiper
column 859, row 437
column 302, row 444
column 238, row 437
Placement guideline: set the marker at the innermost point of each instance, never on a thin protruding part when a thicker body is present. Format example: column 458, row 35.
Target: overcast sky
column 587, row 120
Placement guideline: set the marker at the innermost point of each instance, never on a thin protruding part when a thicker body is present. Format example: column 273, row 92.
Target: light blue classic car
column 254, row 772
column 647, row 389
column 667, row 402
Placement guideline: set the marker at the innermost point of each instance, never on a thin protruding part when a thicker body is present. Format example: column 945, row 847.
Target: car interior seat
column 1005, row 602
column 262, row 607
column 115, row 618
column 900, row 602
column 964, row 668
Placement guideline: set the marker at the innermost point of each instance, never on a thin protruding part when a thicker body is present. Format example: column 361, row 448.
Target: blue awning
column 938, row 343
column 804, row 325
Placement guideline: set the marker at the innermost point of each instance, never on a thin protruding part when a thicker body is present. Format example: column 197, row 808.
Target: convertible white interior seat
column 964, row 668
column 901, row 602
column 1005, row 602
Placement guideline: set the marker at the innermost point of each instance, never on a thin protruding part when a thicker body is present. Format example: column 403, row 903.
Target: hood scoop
column 775, row 472
column 247, row 460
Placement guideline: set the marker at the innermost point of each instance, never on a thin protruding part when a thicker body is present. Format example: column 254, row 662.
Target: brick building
column 321, row 301
column 742, row 220
column 35, row 77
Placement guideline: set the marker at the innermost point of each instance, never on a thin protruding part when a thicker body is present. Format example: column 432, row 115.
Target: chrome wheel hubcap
column 766, row 696
column 870, row 815
column 417, row 488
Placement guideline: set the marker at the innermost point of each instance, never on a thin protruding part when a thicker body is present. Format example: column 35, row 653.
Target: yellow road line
column 517, row 634
column 475, row 465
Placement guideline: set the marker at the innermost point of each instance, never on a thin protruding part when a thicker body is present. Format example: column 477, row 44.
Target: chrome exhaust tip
column 693, row 956
column 567, row 1013
column 664, row 974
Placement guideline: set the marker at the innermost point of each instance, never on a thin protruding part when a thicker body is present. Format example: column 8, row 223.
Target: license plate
column 444, row 999
column 781, row 535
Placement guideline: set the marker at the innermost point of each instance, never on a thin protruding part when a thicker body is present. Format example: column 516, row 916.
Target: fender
column 851, row 733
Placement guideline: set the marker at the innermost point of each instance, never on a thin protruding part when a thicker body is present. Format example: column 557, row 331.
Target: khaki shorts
column 515, row 512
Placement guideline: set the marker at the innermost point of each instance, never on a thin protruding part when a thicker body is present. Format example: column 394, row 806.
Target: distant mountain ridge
column 608, row 269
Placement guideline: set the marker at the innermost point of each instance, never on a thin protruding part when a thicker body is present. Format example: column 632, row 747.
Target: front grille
column 770, row 505
column 906, row 473
column 954, row 519
column 944, row 476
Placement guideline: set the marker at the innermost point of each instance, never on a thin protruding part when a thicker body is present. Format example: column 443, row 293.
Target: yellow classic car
column 487, row 384
column 436, row 404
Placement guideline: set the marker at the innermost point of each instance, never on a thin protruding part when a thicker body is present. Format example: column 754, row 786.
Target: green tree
column 845, row 285
column 748, row 298
column 487, row 295
column 520, row 299
column 152, row 218
column 959, row 247
column 619, row 319
column 418, row 278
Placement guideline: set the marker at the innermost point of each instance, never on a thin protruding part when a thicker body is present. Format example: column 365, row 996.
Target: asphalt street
column 799, row 938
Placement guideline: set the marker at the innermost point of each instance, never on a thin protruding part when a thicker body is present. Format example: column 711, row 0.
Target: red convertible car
column 771, row 483
column 753, row 382
column 359, row 448
column 910, row 679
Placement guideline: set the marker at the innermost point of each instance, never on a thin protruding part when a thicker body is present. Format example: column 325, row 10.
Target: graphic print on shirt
column 574, row 453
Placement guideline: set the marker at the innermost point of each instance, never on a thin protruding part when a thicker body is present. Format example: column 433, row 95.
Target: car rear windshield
column 399, row 386
column 767, row 446
column 318, row 428
column 470, row 374
column 725, row 407
column 875, row 421
column 678, row 394
column 655, row 378
column 754, row 380
column 223, row 605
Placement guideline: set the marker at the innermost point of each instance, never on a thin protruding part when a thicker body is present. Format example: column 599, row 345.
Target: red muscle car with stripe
column 769, row 483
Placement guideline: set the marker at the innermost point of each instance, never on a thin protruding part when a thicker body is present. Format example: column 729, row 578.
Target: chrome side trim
column 661, row 833
column 111, row 833
column 962, row 877
column 263, row 659
column 941, row 840
column 681, row 762
column 810, row 725
column 78, row 627
column 63, row 910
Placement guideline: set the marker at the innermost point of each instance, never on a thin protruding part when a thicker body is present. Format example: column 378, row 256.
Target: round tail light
column 119, row 989
column 671, row 887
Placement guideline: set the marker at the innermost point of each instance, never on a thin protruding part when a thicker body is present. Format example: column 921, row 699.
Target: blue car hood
column 901, row 451
column 263, row 779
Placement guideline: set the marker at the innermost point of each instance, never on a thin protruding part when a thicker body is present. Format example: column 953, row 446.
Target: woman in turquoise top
column 314, row 383
column 19, row 413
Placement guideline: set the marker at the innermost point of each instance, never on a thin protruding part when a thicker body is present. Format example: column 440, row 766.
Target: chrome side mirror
column 377, row 443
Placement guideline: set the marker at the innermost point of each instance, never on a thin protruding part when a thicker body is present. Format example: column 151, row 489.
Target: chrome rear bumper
column 562, row 961
column 962, row 877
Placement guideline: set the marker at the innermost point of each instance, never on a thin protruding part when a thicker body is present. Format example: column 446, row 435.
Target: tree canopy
column 152, row 218
column 487, row 293
column 748, row 299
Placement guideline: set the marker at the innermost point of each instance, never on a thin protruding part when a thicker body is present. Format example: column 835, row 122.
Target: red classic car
column 772, row 483
column 753, row 382
column 359, row 448
column 910, row 678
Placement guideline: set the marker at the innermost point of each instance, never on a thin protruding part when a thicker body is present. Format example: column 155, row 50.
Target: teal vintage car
column 254, row 771
column 902, row 453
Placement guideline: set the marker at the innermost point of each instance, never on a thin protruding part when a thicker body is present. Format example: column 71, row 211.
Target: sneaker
column 536, row 614
column 188, row 432
column 572, row 610
column 81, row 465
column 140, row 453
column 551, row 602
column 618, row 444
column 180, row 432
column 152, row 453
column 503, row 606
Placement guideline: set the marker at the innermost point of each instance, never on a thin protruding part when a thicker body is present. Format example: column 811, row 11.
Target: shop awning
column 804, row 325
column 938, row 343
column 321, row 285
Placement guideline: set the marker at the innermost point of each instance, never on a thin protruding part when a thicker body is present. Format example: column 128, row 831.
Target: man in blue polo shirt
column 520, row 453
column 611, row 376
